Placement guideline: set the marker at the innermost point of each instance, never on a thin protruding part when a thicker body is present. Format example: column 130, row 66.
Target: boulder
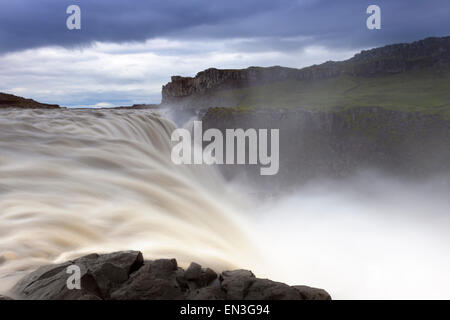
column 309, row 293
column 236, row 283
column 155, row 280
column 193, row 272
column 126, row 276
column 197, row 277
column 100, row 274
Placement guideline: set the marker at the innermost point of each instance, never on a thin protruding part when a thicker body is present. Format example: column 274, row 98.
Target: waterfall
column 73, row 182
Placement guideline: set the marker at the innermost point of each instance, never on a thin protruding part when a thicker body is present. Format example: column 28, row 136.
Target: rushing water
column 81, row 181
column 73, row 182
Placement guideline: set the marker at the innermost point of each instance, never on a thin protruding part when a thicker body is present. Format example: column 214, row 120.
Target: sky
column 126, row 50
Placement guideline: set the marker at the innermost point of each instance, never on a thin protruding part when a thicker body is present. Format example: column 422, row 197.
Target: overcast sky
column 126, row 50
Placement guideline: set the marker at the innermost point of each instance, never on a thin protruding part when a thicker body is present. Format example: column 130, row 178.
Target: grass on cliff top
column 421, row 90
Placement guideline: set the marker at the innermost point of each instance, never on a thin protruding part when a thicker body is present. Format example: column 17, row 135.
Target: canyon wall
column 431, row 52
column 341, row 143
column 387, row 125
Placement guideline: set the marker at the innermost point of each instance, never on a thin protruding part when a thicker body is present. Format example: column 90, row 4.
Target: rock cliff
column 337, row 144
column 386, row 109
column 12, row 101
column 392, row 59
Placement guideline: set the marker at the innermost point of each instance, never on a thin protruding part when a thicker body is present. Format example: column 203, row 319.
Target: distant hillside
column 385, row 109
column 414, row 76
column 12, row 101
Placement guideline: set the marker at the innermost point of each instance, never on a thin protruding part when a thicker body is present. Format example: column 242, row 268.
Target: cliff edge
column 12, row 101
column 432, row 54
column 384, row 109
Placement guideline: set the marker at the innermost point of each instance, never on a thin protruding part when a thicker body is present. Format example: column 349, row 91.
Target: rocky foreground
column 127, row 276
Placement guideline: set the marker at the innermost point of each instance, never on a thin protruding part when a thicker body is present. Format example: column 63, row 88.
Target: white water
column 74, row 182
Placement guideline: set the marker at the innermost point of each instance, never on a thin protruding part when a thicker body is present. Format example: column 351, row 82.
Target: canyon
column 384, row 109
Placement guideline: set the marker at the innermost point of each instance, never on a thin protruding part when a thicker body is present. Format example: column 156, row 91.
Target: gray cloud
column 127, row 49
column 29, row 24
column 123, row 74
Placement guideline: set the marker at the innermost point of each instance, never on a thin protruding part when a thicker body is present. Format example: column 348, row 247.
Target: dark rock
column 125, row 276
column 156, row 280
column 47, row 283
column 163, row 268
column 391, row 59
column 236, row 283
column 129, row 261
column 193, row 272
column 12, row 101
column 208, row 275
column 3, row 298
column 393, row 134
column 263, row 289
column 100, row 274
column 309, row 293
column 198, row 277
column 212, row 292
column 242, row 284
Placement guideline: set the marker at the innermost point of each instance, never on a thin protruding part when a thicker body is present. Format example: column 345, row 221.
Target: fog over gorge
column 369, row 237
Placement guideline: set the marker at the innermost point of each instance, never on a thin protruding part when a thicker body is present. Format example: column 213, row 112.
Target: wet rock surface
column 126, row 276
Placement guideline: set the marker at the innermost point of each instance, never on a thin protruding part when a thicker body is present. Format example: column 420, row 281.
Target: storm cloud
column 126, row 50
column 28, row 24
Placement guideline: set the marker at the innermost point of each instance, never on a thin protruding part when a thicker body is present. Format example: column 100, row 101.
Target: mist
column 371, row 235
column 366, row 237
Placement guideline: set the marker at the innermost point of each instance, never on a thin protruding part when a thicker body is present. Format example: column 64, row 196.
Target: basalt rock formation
column 127, row 276
column 392, row 59
column 12, row 101
column 386, row 109
column 338, row 144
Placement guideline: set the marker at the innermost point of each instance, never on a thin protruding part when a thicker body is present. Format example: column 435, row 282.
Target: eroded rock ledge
column 127, row 276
